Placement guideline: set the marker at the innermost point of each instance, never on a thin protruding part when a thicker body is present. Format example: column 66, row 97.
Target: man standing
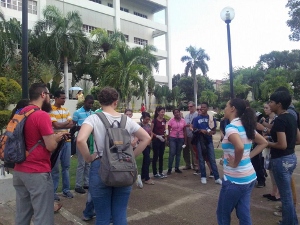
column 61, row 122
column 206, row 125
column 188, row 152
column 32, row 178
column 83, row 168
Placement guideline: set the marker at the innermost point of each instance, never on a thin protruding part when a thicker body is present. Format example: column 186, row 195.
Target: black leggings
column 158, row 153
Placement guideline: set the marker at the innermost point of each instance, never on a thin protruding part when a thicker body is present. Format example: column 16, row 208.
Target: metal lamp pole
column 227, row 14
column 24, row 49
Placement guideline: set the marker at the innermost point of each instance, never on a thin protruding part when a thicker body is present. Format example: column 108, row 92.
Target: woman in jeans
column 285, row 134
column 239, row 174
column 177, row 139
column 158, row 127
column 146, row 153
column 110, row 202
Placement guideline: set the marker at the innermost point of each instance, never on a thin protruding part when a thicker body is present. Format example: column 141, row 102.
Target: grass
column 139, row 160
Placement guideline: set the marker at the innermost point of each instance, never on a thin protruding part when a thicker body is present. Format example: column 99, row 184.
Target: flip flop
column 57, row 207
column 150, row 182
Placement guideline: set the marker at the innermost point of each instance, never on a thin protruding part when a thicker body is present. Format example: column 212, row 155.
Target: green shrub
column 11, row 90
column 94, row 108
column 3, row 101
column 4, row 118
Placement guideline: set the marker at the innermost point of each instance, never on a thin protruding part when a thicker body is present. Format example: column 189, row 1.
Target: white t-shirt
column 99, row 129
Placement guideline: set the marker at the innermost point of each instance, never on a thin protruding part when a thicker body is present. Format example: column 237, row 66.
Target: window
column 110, row 5
column 124, row 9
column 88, row 28
column 97, row 1
column 17, row 5
column 109, row 32
column 140, row 14
column 140, row 41
column 126, row 37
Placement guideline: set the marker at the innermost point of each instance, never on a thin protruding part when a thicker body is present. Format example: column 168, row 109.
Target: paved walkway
column 177, row 200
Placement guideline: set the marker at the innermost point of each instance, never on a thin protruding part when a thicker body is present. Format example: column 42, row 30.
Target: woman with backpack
column 158, row 127
column 110, row 202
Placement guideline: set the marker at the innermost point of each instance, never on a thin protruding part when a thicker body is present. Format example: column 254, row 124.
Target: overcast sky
column 259, row 27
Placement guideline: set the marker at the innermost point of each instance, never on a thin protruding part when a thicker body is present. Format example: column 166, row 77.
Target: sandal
column 150, row 182
column 57, row 207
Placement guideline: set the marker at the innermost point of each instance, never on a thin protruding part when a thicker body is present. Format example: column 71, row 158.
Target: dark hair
column 88, row 97
column 107, row 96
column 36, row 90
column 21, row 104
column 247, row 103
column 128, row 110
column 145, row 114
column 58, row 93
column 176, row 110
column 79, row 91
column 281, row 88
column 158, row 108
column 282, row 97
column 204, row 103
column 247, row 116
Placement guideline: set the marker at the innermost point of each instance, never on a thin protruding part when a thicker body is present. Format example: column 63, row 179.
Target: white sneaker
column 203, row 180
column 218, row 181
column 139, row 182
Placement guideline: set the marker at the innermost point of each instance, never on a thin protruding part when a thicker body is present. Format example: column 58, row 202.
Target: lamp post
column 24, row 49
column 227, row 14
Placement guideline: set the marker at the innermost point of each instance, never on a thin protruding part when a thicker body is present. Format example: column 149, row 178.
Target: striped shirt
column 80, row 115
column 244, row 173
column 60, row 115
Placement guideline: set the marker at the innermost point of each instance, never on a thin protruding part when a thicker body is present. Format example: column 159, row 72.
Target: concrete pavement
column 177, row 200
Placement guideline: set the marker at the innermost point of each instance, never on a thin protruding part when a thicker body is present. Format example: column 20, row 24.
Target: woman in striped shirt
column 239, row 174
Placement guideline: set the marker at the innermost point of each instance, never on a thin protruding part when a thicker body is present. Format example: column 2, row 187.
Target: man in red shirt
column 32, row 178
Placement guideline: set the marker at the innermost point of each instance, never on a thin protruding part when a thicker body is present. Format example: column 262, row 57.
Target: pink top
column 177, row 128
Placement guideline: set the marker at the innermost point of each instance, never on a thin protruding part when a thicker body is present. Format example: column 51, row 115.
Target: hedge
column 4, row 119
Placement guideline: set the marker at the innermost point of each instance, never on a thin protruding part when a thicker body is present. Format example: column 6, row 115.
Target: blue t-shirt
column 80, row 115
column 201, row 122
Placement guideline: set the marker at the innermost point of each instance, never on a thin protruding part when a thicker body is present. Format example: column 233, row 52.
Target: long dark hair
column 247, row 116
column 158, row 109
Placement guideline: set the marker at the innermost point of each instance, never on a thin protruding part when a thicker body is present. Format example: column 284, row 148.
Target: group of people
column 191, row 134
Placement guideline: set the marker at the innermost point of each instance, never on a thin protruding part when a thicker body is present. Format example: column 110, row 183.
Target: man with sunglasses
column 188, row 150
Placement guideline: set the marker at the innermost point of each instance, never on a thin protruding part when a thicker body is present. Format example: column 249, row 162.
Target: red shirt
column 143, row 108
column 37, row 125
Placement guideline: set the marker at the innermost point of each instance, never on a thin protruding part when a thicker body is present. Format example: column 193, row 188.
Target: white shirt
column 100, row 131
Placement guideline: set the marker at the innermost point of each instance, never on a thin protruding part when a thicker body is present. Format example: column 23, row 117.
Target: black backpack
column 298, row 116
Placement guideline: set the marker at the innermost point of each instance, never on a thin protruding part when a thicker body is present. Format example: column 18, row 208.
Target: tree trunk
column 195, row 90
column 66, row 77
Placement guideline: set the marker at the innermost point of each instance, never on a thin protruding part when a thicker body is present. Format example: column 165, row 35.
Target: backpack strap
column 123, row 121
column 103, row 119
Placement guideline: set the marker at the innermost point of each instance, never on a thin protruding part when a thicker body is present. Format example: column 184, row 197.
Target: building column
column 117, row 21
column 168, row 48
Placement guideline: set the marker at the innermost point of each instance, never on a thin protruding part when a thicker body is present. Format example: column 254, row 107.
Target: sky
column 259, row 27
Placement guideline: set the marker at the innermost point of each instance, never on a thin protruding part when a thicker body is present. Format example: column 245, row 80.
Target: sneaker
column 169, row 171
column 260, row 184
column 68, row 194
column 139, row 182
column 56, row 198
column 211, row 175
column 84, row 218
column 203, row 180
column 80, row 190
column 197, row 172
column 279, row 214
column 187, row 168
column 85, row 187
column 163, row 175
column 278, row 207
column 157, row 175
column 218, row 181
column 178, row 171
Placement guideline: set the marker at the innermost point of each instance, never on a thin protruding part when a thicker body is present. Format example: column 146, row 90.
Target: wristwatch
column 265, row 130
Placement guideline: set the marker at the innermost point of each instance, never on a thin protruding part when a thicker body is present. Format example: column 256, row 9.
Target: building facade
column 134, row 18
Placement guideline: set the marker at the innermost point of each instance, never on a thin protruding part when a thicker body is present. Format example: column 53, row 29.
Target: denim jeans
column 175, row 150
column 211, row 159
column 110, row 202
column 283, row 168
column 146, row 164
column 82, row 171
column 64, row 158
column 158, row 154
column 89, row 210
column 234, row 196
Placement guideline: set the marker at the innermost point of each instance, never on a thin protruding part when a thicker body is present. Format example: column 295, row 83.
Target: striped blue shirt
column 80, row 115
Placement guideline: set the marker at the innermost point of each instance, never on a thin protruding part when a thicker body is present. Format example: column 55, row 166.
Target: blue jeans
column 211, row 159
column 234, row 196
column 283, row 168
column 82, row 171
column 64, row 158
column 89, row 211
column 175, row 150
column 146, row 164
column 110, row 202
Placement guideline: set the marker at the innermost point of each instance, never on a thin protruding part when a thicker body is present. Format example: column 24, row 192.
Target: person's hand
column 203, row 131
column 133, row 143
column 159, row 137
column 231, row 163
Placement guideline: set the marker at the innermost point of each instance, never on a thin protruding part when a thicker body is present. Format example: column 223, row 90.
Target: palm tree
column 208, row 96
column 65, row 37
column 196, row 60
column 151, row 86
